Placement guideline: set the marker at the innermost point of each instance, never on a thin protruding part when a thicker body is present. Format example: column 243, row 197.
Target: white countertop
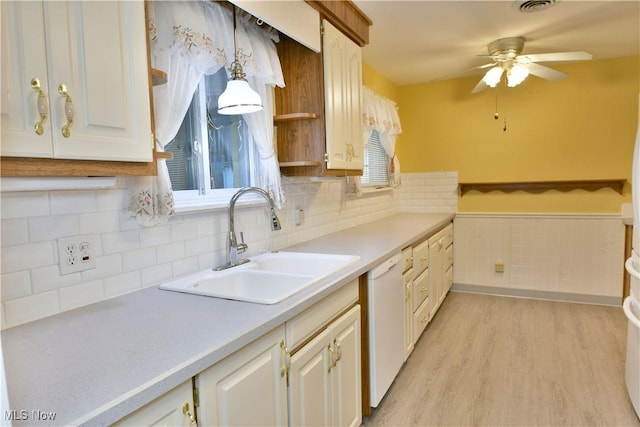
column 98, row 363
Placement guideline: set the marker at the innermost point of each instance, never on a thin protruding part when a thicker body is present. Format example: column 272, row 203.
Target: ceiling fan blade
column 480, row 87
column 558, row 56
column 545, row 72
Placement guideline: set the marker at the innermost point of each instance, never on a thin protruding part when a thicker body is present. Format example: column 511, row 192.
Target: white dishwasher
column 386, row 326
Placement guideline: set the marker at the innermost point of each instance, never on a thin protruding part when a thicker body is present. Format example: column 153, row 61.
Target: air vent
column 534, row 5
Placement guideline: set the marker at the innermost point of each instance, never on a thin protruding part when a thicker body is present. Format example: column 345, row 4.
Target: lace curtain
column 381, row 114
column 190, row 39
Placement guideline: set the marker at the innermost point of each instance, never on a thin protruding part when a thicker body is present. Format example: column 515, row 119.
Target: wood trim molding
column 346, row 17
column 541, row 186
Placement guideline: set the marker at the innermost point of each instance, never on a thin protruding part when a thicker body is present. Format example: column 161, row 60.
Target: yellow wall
column 582, row 127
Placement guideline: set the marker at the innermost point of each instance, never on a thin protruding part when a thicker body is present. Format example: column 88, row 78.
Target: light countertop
column 96, row 364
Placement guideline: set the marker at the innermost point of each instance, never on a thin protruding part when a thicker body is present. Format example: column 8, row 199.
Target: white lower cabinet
column 324, row 377
column 174, row 408
column 407, row 281
column 247, row 388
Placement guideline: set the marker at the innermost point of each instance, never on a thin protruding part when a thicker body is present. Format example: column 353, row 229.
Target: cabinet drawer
column 448, row 235
column 420, row 289
column 421, row 256
column 407, row 258
column 449, row 257
column 307, row 323
column 420, row 320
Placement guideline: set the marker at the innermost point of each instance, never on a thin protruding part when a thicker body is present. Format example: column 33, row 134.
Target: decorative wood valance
column 541, row 186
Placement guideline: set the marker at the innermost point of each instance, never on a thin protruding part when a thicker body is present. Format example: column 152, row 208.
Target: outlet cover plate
column 76, row 253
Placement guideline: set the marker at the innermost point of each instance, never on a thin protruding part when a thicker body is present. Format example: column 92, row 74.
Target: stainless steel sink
column 267, row 279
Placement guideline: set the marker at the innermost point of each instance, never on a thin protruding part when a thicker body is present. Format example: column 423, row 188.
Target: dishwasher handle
column 385, row 266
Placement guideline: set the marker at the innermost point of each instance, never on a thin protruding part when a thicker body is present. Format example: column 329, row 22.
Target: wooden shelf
column 158, row 77
column 294, row 116
column 308, row 163
column 541, row 186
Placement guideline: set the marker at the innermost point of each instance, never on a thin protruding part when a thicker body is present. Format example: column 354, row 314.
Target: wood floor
column 497, row 361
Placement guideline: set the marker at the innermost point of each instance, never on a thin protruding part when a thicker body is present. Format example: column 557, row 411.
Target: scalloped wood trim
column 541, row 186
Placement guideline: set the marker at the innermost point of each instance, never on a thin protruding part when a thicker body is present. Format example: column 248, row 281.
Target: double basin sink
column 267, row 279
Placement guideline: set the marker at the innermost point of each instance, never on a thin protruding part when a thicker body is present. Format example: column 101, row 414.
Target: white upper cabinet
column 75, row 81
column 342, row 60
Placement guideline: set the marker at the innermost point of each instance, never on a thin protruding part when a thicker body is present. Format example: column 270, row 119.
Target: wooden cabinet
column 325, row 371
column 247, row 388
column 428, row 276
column 174, row 408
column 306, row 372
column 342, row 61
column 318, row 113
column 75, row 86
column 440, row 267
column 407, row 281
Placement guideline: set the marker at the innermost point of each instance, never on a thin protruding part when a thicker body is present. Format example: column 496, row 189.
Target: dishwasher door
column 386, row 326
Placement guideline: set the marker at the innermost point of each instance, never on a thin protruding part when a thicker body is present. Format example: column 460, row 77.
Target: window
column 211, row 151
column 376, row 163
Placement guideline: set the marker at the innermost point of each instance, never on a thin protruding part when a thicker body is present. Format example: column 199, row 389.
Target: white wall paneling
column 575, row 257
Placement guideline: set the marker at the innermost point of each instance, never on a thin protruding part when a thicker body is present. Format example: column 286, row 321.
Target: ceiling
column 421, row 41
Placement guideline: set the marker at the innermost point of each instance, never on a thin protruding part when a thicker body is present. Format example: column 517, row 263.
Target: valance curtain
column 190, row 39
column 381, row 114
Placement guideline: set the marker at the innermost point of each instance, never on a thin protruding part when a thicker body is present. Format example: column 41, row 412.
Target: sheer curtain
column 381, row 114
column 191, row 39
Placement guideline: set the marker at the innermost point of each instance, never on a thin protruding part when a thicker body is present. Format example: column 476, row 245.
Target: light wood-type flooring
column 498, row 361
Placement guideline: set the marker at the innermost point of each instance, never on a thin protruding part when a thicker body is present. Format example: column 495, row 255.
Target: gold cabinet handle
column 68, row 109
column 338, row 350
column 41, row 104
column 333, row 358
column 285, row 363
column 185, row 411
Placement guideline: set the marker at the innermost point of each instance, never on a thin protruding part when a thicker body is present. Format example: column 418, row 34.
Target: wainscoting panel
column 568, row 257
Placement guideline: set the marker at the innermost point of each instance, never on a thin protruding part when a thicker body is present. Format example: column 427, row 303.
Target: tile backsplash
column 130, row 257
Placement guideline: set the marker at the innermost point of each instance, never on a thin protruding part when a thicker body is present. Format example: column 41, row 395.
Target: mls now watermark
column 25, row 415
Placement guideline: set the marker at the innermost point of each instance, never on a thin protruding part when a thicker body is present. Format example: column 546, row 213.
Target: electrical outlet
column 76, row 253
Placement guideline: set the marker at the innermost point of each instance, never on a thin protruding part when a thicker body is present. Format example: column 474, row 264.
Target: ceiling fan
column 507, row 58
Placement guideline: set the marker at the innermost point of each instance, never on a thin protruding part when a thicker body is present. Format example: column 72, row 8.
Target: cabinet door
column 347, row 383
column 98, row 51
column 167, row 410
column 23, row 58
column 309, row 383
column 246, row 388
column 342, row 61
column 407, row 279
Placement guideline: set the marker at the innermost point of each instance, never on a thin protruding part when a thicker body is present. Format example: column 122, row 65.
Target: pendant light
column 238, row 97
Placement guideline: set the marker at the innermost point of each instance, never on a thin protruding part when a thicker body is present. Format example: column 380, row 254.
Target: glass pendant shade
column 492, row 78
column 238, row 98
column 516, row 75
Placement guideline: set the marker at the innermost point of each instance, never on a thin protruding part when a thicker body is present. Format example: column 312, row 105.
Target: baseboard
column 533, row 294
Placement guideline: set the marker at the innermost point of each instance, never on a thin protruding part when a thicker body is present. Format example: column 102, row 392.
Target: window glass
column 376, row 163
column 211, row 151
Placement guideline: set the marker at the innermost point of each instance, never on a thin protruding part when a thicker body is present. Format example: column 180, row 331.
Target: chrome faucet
column 233, row 247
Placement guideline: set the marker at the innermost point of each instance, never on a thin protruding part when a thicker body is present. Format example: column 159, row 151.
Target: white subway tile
column 170, row 252
column 15, row 285
column 65, row 202
column 31, row 308
column 138, row 259
column 82, row 294
column 154, row 236
column 156, row 275
column 14, row 231
column 185, row 266
column 99, row 222
column 122, row 284
column 120, row 241
column 24, row 257
column 25, row 204
column 48, row 278
column 106, row 265
column 46, row 228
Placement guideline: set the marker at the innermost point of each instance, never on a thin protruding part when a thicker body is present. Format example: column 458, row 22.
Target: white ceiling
column 421, row 41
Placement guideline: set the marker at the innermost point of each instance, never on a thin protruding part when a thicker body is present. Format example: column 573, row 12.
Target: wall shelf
column 541, row 186
column 308, row 163
column 294, row 116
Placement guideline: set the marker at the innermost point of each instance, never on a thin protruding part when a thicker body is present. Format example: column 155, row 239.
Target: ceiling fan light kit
column 506, row 55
